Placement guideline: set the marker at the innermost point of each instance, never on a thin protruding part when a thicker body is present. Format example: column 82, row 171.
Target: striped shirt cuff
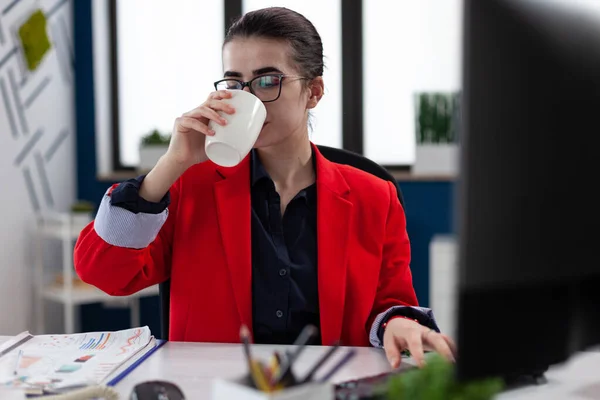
column 422, row 314
column 123, row 228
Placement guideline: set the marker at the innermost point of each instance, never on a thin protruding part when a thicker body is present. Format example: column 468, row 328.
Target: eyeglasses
column 266, row 87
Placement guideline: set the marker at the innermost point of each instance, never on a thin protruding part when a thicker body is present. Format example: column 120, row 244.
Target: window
column 408, row 47
column 169, row 55
column 326, row 17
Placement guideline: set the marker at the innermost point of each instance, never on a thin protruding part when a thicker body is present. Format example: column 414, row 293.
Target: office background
column 56, row 128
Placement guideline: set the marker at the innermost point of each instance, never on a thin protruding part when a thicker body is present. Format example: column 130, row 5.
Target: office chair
column 357, row 161
column 332, row 154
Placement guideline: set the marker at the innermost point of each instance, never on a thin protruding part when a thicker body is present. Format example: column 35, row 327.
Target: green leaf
column 155, row 138
column 436, row 119
column 436, row 382
column 422, row 121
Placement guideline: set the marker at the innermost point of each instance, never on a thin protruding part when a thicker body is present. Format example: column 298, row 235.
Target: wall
column 37, row 157
column 429, row 212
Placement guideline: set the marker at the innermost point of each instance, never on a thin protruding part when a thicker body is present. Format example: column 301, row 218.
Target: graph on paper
column 62, row 360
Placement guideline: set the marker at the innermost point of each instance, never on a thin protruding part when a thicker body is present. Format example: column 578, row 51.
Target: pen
column 16, row 371
column 302, row 340
column 255, row 367
column 351, row 353
column 307, row 333
column 320, row 362
column 245, row 338
column 15, row 345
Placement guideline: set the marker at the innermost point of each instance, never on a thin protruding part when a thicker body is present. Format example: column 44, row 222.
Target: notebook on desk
column 51, row 362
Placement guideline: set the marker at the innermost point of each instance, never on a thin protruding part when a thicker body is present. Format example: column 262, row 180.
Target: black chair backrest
column 338, row 156
column 357, row 161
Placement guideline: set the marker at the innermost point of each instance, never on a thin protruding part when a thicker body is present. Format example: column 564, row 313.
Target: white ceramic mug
column 231, row 143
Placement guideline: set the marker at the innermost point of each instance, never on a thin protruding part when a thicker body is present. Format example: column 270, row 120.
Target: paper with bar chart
column 54, row 361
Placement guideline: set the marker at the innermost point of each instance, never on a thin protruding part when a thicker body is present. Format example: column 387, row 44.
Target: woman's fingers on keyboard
column 439, row 344
column 393, row 348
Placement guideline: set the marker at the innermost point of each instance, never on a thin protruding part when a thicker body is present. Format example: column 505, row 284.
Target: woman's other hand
column 405, row 334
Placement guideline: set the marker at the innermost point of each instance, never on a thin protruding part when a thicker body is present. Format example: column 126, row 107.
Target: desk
column 193, row 366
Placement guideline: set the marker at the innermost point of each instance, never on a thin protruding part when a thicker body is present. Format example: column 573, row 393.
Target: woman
column 282, row 240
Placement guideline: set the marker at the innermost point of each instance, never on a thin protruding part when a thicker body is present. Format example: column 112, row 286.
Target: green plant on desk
column 436, row 382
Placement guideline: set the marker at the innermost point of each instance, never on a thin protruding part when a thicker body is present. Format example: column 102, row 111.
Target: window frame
column 352, row 79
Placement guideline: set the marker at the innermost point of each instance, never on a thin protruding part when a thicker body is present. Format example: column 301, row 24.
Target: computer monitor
column 527, row 216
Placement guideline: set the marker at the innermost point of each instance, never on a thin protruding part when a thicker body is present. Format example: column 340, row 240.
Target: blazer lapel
column 334, row 214
column 233, row 204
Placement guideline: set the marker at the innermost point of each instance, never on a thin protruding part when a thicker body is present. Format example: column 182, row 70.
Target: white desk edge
column 194, row 366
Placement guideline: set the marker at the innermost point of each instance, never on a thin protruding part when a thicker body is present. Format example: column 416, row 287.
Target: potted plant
column 82, row 213
column 152, row 147
column 437, row 381
column 437, row 127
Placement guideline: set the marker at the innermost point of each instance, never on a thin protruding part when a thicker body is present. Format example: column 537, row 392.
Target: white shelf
column 66, row 227
column 62, row 226
column 89, row 294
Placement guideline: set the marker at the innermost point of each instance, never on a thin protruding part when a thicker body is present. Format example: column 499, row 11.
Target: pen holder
column 239, row 389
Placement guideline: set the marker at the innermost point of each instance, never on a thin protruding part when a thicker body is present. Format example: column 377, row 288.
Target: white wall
column 37, row 155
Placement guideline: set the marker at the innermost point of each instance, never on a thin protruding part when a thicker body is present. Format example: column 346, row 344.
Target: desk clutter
column 89, row 365
column 55, row 364
column 275, row 378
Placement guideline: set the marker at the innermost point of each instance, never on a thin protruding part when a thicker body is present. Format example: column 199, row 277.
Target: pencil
column 255, row 367
column 274, row 364
column 19, row 355
column 320, row 362
column 307, row 333
column 351, row 353
column 274, row 370
column 260, row 378
column 245, row 338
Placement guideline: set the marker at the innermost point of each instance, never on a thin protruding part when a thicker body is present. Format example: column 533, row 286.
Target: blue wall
column 428, row 204
column 428, row 207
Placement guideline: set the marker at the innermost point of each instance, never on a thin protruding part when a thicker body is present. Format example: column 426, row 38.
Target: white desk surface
column 193, row 366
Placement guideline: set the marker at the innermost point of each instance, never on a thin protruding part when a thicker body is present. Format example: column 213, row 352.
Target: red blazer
column 204, row 247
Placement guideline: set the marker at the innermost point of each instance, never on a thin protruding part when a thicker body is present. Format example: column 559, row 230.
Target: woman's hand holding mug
column 189, row 132
column 187, row 145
